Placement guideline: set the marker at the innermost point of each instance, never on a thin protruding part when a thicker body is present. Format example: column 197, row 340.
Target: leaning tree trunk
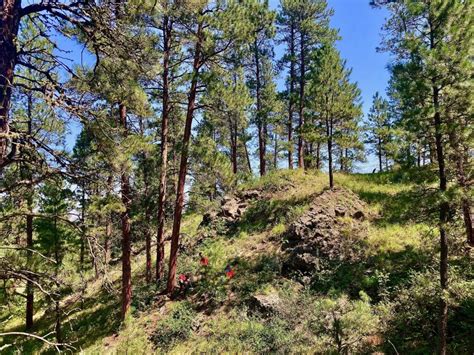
column 125, row 219
column 160, row 239
column 179, row 204
column 9, row 25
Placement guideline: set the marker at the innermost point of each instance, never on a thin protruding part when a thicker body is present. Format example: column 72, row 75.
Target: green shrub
column 343, row 325
column 412, row 315
column 177, row 326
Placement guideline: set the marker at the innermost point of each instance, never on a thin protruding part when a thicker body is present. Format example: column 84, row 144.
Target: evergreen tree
column 379, row 129
column 335, row 100
column 430, row 40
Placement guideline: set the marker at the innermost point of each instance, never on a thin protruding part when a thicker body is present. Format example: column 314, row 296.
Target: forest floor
column 383, row 302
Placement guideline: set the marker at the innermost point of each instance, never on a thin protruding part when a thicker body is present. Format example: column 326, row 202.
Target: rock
column 250, row 194
column 208, row 218
column 267, row 304
column 230, row 208
column 331, row 229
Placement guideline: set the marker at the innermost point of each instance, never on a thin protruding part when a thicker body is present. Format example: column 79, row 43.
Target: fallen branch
column 46, row 341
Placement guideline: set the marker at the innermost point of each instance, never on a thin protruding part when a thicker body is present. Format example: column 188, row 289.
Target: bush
column 412, row 316
column 343, row 325
column 176, row 327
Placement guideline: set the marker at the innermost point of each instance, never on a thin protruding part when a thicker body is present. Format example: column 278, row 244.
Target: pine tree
column 430, row 40
column 335, row 100
column 54, row 235
column 379, row 129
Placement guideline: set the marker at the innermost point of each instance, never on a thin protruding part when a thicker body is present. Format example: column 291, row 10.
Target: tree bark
column 260, row 120
column 125, row 219
column 179, row 204
column 9, row 25
column 160, row 239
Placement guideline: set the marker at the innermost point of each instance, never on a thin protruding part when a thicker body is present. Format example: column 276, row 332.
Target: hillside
column 351, row 270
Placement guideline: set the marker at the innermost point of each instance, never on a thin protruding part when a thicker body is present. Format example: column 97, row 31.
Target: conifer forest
column 217, row 176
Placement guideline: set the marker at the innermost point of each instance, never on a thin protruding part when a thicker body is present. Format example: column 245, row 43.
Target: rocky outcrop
column 231, row 211
column 267, row 304
column 232, row 207
column 330, row 229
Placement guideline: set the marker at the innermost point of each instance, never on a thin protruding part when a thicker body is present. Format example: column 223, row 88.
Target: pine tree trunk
column 160, row 239
column 57, row 327
column 275, row 153
column 443, row 219
column 318, row 155
column 29, row 231
column 29, row 284
column 233, row 146
column 108, row 226
column 125, row 218
column 9, row 25
column 301, row 102
column 260, row 120
column 379, row 151
column 443, row 208
column 247, row 156
column 179, row 204
column 147, row 220
column 329, row 138
column 341, row 160
column 291, row 95
column 83, row 229
column 461, row 157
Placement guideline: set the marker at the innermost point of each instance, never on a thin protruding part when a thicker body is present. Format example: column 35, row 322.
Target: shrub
column 176, row 327
column 343, row 325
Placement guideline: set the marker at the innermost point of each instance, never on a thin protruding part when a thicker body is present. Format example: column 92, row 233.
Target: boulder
column 267, row 304
column 330, row 229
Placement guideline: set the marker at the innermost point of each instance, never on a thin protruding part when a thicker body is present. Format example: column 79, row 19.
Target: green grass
column 397, row 272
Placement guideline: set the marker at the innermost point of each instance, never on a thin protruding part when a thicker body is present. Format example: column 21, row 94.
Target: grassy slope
column 215, row 317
